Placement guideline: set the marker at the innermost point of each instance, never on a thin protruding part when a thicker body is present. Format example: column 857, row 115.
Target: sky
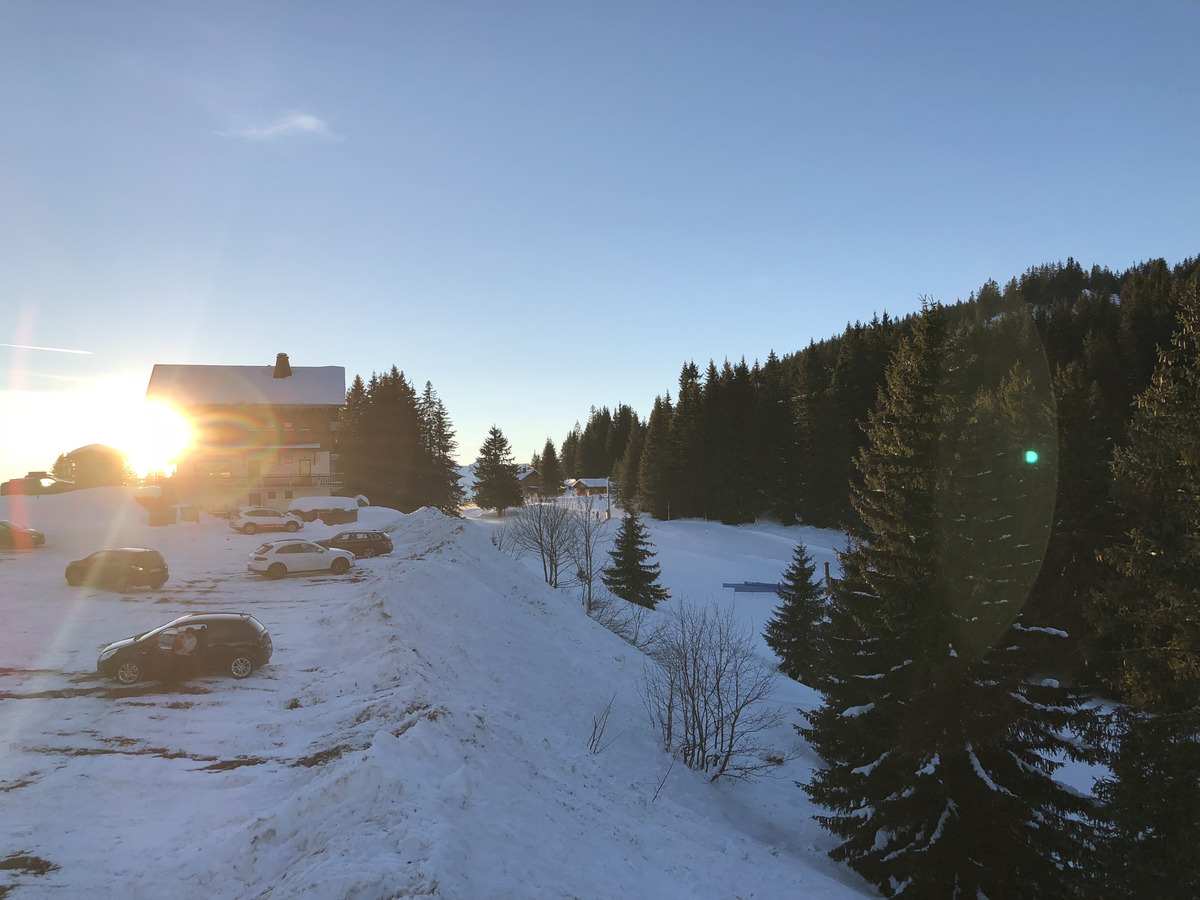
column 544, row 207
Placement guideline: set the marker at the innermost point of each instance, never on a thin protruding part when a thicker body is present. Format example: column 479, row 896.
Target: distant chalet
column 262, row 435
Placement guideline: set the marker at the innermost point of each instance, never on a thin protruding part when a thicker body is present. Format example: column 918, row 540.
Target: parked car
column 236, row 643
column 251, row 519
column 119, row 569
column 363, row 544
column 19, row 537
column 278, row 558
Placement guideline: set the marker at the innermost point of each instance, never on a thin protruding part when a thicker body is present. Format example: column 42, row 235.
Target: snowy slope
column 421, row 729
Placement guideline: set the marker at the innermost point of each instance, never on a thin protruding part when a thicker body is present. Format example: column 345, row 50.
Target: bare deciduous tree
column 591, row 528
column 704, row 689
column 546, row 528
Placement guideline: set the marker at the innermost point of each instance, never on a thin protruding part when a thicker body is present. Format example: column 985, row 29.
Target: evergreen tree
column 441, row 486
column 657, row 461
column 349, row 434
column 569, row 455
column 626, row 471
column 593, row 460
column 551, row 471
column 1153, row 798
column 938, row 735
column 632, row 576
column 496, row 484
column 794, row 631
column 63, row 468
column 685, row 479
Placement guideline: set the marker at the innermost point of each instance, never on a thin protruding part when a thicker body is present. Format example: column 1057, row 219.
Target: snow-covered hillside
column 421, row 729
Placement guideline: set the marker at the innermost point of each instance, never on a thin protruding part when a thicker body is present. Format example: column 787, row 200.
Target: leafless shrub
column 597, row 743
column 703, row 688
column 662, row 781
column 626, row 620
column 502, row 539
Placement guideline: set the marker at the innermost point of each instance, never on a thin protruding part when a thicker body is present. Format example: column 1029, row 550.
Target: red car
column 363, row 544
column 18, row 537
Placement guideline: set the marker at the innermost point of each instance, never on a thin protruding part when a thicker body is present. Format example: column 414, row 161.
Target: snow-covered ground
column 421, row 729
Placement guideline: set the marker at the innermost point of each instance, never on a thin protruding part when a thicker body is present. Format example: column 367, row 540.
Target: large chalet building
column 262, row 435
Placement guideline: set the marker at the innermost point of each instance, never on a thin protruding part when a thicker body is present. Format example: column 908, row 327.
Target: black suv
column 119, row 569
column 236, row 643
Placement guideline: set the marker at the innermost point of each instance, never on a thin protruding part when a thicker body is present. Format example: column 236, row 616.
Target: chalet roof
column 184, row 386
column 591, row 482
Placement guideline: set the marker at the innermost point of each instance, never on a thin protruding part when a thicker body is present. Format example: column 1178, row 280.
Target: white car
column 278, row 558
column 250, row 519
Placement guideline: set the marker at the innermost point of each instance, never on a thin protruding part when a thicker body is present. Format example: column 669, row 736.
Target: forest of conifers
column 1018, row 476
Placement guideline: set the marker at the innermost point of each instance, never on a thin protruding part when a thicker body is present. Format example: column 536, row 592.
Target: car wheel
column 293, row 527
column 157, row 584
column 129, row 672
column 241, row 666
column 249, row 528
column 74, row 576
column 276, row 570
column 368, row 553
column 340, row 566
column 121, row 584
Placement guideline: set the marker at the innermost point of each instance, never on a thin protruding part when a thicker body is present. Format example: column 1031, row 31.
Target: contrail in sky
column 51, row 349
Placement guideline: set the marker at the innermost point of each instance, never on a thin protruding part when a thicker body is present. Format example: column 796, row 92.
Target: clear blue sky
column 544, row 206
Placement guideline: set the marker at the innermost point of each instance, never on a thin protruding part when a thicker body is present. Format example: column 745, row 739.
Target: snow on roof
column 200, row 385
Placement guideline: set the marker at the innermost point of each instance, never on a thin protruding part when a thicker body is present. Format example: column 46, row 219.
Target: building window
column 213, row 468
column 287, row 495
column 270, row 495
column 287, row 460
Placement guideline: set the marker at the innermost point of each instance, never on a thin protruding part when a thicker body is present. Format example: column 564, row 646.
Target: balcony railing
column 268, row 481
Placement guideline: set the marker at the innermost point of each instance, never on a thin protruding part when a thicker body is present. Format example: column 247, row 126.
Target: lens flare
column 157, row 436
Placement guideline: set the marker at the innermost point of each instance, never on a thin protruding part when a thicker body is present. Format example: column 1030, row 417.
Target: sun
column 155, row 437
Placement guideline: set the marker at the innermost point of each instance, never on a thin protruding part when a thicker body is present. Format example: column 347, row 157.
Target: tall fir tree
column 381, row 452
column 496, row 484
column 550, row 469
column 654, row 494
column 631, row 575
column 442, row 486
column 795, row 631
column 1153, row 797
column 939, row 737
column 568, row 456
column 626, row 471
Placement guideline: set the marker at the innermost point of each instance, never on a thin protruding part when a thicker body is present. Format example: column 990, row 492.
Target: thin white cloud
column 286, row 126
column 49, row 349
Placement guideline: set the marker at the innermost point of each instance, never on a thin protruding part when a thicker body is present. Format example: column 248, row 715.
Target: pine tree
column 656, row 463
column 794, row 631
column 442, row 487
column 349, row 434
column 626, row 470
column 551, row 471
column 569, row 454
column 1153, row 798
column 631, row 576
column 496, row 484
column 63, row 468
column 938, row 736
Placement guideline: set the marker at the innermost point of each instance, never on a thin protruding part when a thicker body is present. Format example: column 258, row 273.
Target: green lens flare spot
column 1031, row 456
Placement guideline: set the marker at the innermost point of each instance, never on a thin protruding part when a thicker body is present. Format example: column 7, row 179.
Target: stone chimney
column 283, row 369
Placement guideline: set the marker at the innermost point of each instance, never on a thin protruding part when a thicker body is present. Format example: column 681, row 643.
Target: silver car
column 252, row 519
